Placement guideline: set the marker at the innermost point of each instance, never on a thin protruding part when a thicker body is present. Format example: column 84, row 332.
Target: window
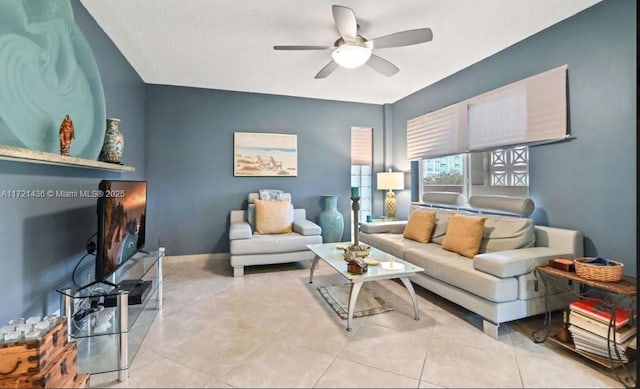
column 362, row 168
column 361, row 176
column 498, row 172
column 444, row 174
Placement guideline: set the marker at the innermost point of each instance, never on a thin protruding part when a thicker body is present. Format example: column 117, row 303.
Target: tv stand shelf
column 108, row 323
column 19, row 154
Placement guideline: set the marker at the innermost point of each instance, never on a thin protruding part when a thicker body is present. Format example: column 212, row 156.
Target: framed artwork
column 260, row 154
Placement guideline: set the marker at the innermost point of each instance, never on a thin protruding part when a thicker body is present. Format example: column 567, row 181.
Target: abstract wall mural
column 47, row 71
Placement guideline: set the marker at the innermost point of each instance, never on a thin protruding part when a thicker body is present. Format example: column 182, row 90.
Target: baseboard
column 199, row 257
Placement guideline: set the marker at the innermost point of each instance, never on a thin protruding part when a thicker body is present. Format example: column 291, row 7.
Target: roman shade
column 528, row 111
column 438, row 133
column 361, row 146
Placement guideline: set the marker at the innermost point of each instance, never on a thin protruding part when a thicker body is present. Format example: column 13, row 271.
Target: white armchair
column 248, row 247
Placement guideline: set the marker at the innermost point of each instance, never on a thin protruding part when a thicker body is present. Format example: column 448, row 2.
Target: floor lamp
column 390, row 181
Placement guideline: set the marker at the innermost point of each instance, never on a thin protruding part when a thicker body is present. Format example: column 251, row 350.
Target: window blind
column 438, row 133
column 529, row 111
column 361, row 146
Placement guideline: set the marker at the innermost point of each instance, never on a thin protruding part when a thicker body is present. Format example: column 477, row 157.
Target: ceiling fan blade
column 298, row 47
column 345, row 21
column 403, row 38
column 325, row 71
column 382, row 66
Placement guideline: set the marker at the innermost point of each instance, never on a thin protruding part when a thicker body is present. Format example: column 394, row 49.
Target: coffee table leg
column 313, row 268
column 353, row 296
column 412, row 293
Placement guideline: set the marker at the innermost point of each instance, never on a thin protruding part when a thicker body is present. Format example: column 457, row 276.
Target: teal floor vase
column 331, row 220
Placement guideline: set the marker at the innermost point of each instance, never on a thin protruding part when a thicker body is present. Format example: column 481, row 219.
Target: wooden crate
column 31, row 356
column 56, row 374
column 80, row 380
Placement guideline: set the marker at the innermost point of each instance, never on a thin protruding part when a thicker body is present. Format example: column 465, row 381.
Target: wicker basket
column 598, row 273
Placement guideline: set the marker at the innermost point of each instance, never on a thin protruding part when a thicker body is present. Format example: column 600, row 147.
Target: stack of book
column 589, row 326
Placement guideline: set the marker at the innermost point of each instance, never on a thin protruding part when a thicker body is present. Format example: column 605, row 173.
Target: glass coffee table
column 334, row 257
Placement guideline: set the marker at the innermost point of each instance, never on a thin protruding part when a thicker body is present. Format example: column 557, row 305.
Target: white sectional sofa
column 498, row 283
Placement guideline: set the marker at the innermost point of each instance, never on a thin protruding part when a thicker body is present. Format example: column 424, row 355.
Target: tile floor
column 273, row 329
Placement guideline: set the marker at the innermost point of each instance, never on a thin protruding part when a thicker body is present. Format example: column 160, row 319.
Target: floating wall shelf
column 11, row 153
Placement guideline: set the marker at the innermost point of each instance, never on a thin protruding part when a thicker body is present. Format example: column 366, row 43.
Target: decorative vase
column 331, row 221
column 113, row 142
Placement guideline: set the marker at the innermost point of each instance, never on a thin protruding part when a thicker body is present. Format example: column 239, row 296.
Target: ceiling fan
column 352, row 50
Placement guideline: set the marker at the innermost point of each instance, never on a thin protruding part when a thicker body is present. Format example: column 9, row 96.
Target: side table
column 626, row 292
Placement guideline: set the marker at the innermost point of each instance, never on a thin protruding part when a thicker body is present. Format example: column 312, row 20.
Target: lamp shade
column 351, row 56
column 390, row 181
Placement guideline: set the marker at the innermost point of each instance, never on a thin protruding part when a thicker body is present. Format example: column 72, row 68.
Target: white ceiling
column 228, row 44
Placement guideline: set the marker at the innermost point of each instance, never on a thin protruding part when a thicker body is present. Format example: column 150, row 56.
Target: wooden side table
column 625, row 289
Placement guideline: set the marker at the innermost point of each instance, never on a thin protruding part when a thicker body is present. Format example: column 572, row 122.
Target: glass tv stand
column 108, row 325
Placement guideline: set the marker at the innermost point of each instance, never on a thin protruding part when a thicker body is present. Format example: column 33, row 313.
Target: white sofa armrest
column 511, row 263
column 394, row 227
column 306, row 227
column 239, row 230
column 561, row 239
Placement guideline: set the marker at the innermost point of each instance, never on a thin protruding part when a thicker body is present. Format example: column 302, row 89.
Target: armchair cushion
column 239, row 230
column 273, row 217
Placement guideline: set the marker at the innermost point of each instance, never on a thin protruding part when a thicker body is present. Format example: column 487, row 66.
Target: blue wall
column 42, row 240
column 588, row 184
column 181, row 141
column 190, row 159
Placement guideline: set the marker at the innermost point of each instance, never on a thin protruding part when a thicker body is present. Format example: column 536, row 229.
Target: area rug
column 337, row 296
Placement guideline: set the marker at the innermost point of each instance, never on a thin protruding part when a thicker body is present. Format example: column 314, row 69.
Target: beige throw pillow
column 420, row 225
column 273, row 217
column 464, row 234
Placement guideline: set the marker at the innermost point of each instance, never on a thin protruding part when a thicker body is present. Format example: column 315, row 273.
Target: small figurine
column 66, row 134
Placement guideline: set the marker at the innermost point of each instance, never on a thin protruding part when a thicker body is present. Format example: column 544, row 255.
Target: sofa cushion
column 507, row 233
column 273, row 217
column 440, row 227
column 458, row 271
column 394, row 244
column 420, row 225
column 464, row 234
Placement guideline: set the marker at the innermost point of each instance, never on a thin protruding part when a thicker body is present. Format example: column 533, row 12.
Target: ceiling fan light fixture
column 351, row 56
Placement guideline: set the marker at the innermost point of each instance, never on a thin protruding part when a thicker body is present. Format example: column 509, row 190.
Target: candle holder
column 357, row 249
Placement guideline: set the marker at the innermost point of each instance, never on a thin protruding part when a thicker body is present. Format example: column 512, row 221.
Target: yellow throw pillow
column 273, row 217
column 464, row 234
column 420, row 225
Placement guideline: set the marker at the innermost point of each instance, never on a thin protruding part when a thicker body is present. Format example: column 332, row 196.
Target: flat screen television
column 122, row 210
